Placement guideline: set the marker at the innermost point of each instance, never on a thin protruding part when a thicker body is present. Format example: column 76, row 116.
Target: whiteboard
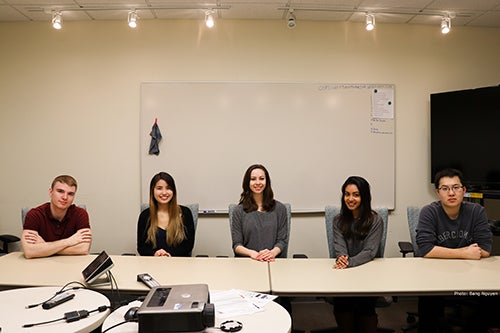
column 310, row 137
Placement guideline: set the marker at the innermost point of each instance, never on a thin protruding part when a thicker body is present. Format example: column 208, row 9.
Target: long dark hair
column 247, row 200
column 175, row 228
column 360, row 230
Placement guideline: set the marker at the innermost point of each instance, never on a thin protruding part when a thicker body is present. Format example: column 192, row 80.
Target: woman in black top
column 165, row 228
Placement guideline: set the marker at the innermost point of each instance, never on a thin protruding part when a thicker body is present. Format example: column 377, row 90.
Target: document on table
column 235, row 302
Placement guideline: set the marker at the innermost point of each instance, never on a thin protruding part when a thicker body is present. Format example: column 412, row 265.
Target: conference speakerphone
column 97, row 267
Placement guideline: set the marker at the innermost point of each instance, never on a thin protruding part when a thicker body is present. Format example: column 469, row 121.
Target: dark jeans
column 430, row 314
column 360, row 305
column 355, row 314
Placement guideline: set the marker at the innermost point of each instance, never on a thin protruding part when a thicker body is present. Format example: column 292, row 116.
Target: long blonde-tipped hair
column 175, row 228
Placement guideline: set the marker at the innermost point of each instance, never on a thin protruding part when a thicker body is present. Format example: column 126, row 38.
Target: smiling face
column 162, row 192
column 352, row 199
column 62, row 195
column 257, row 181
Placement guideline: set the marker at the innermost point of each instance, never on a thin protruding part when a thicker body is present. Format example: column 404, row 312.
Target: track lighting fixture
column 291, row 20
column 445, row 24
column 209, row 19
column 370, row 22
column 132, row 19
column 212, row 10
column 57, row 20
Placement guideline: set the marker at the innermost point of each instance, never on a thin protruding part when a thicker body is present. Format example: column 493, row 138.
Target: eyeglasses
column 454, row 188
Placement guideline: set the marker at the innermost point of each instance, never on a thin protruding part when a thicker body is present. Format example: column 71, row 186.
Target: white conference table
column 217, row 273
column 14, row 313
column 386, row 276
column 284, row 277
column 273, row 319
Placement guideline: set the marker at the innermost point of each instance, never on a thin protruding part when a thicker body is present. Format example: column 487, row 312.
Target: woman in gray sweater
column 259, row 223
column 357, row 233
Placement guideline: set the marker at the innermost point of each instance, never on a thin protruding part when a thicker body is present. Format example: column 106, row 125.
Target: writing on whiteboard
column 383, row 103
column 381, row 126
column 352, row 86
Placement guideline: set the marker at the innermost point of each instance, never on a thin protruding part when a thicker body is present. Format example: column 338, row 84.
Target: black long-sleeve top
column 182, row 249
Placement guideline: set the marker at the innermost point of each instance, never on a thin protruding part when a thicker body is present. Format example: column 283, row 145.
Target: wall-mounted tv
column 465, row 134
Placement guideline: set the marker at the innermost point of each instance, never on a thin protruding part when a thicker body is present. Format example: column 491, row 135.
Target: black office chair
column 6, row 241
column 9, row 239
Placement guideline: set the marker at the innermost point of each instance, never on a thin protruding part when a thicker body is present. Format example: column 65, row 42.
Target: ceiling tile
column 464, row 4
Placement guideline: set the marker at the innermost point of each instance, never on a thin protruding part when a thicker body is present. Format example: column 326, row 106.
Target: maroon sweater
column 50, row 229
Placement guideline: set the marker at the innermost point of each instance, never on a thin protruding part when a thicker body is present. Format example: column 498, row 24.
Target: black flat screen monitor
column 100, row 265
column 465, row 135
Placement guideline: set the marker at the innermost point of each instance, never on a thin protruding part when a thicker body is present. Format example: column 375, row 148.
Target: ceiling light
column 209, row 19
column 291, row 20
column 132, row 19
column 445, row 24
column 370, row 22
column 57, row 20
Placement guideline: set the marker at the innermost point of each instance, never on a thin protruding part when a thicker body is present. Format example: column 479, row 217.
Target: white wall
column 70, row 104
